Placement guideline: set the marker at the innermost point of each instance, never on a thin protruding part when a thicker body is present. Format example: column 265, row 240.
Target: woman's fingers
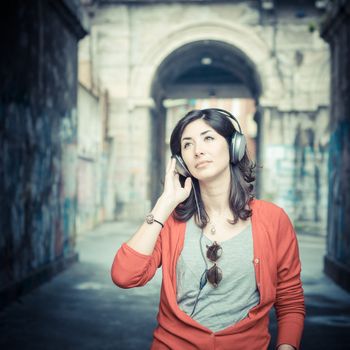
column 173, row 164
column 170, row 179
column 168, row 165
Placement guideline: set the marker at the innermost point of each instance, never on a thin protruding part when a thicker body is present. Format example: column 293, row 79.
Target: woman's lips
column 202, row 164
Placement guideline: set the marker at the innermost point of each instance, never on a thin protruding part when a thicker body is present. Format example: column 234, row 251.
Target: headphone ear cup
column 180, row 166
column 239, row 145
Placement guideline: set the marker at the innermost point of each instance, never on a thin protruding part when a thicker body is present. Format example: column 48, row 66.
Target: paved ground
column 82, row 309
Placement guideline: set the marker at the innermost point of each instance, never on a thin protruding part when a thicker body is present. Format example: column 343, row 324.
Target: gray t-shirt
column 221, row 307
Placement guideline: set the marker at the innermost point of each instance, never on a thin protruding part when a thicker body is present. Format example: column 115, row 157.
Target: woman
column 226, row 257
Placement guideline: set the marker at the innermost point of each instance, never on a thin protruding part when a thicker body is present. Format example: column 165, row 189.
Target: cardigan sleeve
column 133, row 269
column 289, row 304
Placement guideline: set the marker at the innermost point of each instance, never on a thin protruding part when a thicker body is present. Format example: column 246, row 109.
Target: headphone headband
column 228, row 114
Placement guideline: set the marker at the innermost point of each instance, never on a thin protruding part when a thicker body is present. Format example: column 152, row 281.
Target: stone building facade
column 146, row 52
column 92, row 153
column 93, row 144
column 336, row 30
column 38, row 134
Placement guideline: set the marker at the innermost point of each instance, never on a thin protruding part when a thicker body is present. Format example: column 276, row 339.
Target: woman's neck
column 215, row 196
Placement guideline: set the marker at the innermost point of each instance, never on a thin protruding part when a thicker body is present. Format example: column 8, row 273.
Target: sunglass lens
column 214, row 252
column 214, row 275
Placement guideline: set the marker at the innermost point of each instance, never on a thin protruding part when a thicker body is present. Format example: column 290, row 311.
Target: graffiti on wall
column 310, row 180
column 37, row 224
column 338, row 244
column 279, row 174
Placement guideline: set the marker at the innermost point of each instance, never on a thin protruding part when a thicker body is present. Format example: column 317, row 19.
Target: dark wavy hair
column 242, row 174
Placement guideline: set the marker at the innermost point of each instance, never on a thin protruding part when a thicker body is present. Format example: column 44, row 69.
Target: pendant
column 213, row 230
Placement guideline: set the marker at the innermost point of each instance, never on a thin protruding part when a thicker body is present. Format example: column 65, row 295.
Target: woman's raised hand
column 173, row 191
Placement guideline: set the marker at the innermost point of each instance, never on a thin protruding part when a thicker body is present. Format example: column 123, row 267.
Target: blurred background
column 90, row 91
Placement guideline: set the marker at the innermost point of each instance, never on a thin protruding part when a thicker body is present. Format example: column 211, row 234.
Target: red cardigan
column 277, row 271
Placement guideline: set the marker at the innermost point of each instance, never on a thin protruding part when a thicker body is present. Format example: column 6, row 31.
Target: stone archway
column 237, row 36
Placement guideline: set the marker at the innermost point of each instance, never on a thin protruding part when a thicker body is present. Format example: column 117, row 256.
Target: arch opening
column 205, row 68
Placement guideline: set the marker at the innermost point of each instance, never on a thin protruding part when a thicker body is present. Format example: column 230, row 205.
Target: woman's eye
column 186, row 145
column 209, row 138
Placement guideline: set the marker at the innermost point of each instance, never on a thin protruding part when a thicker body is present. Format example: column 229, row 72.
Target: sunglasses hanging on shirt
column 212, row 275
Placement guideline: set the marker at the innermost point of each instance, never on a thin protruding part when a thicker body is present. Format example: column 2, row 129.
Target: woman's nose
column 198, row 151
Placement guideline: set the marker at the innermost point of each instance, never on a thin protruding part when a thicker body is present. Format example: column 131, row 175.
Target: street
column 82, row 309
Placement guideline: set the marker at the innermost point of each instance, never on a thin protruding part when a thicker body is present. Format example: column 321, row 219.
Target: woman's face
column 204, row 151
